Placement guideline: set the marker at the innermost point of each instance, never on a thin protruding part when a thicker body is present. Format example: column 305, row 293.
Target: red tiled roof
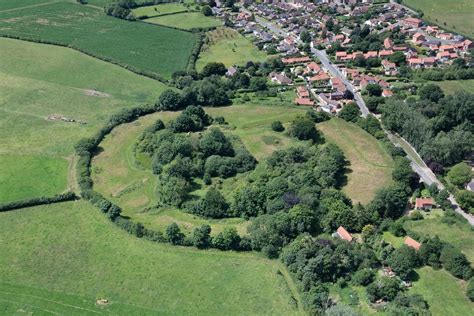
column 421, row 202
column 410, row 242
column 344, row 234
column 304, row 101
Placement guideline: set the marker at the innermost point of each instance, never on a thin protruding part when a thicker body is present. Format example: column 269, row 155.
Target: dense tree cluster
column 440, row 128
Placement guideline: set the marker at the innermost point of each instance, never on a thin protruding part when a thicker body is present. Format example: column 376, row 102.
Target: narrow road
column 417, row 163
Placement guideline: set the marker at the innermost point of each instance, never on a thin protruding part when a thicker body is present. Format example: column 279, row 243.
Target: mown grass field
column 117, row 175
column 370, row 165
column 61, row 258
column 141, row 45
column 444, row 293
column 228, row 46
column 15, row 4
column 458, row 15
column 159, row 9
column 452, row 86
column 37, row 81
column 186, row 21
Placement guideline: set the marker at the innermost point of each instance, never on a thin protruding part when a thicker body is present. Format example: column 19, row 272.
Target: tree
column 402, row 261
column 389, row 202
column 214, row 142
column 228, row 239
column 374, row 90
column 174, row 234
column 431, row 92
column 455, row 262
column 303, row 129
column 206, row 10
column 363, row 277
column 466, row 200
column 214, row 68
column 169, row 100
column 316, row 300
column 277, row 126
column 385, row 289
column 398, row 58
column 403, row 173
column 202, row 237
column 305, row 37
column 213, row 205
column 350, row 112
column 460, row 174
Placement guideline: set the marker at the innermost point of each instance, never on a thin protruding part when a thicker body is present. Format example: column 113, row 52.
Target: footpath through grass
column 141, row 45
column 456, row 16
column 39, row 81
column 70, row 254
column 229, row 47
column 370, row 164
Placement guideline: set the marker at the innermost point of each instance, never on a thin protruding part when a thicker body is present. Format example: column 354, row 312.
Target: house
column 388, row 43
column 280, row 78
column 445, row 36
column 447, row 48
column 385, row 53
column 328, row 105
column 340, row 56
column 424, row 203
column 410, row 242
column 415, row 62
column 342, row 233
column 371, row 54
column 428, row 62
column 231, row 71
column 321, row 77
column 313, row 67
column 304, row 101
column 387, row 93
column 296, row 60
column 389, row 67
column 412, row 22
column 418, row 38
column 302, row 92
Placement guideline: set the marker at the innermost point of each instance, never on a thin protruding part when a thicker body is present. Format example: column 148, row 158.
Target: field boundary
column 64, row 197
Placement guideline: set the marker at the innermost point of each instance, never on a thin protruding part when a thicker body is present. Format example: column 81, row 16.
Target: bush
column 69, row 196
column 174, row 235
column 228, row 239
column 303, row 129
column 363, row 277
column 277, row 126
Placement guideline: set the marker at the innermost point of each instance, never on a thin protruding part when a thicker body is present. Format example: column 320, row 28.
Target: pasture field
column 20, row 176
column 229, row 47
column 370, row 165
column 117, row 175
column 61, row 258
column 186, row 21
column 141, row 45
column 444, row 293
column 459, row 234
column 452, row 86
column 37, row 81
column 458, row 15
column 7, row 5
column 159, row 9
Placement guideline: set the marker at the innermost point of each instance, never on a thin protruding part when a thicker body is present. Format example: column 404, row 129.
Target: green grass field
column 458, row 15
column 141, row 45
column 61, row 258
column 228, row 46
column 444, row 293
column 117, row 175
column 159, row 9
column 37, row 81
column 459, row 234
column 370, row 163
column 186, row 21
column 452, row 86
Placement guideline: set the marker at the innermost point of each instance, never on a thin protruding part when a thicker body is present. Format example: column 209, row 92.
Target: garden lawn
column 444, row 293
column 141, row 45
column 458, row 15
column 186, row 21
column 370, row 165
column 230, row 48
column 61, row 258
column 459, row 234
column 118, row 176
column 37, row 81
column 159, row 9
column 452, row 86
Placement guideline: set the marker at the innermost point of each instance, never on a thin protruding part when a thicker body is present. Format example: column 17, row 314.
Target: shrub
column 277, row 126
column 303, row 129
column 363, row 277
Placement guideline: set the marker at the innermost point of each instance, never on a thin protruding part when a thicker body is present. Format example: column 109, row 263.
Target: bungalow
column 385, row 53
column 340, row 56
column 313, row 67
column 328, row 105
column 418, row 38
column 304, row 101
column 410, row 242
column 424, row 203
column 412, row 22
column 415, row 62
column 447, row 48
column 389, row 67
column 342, row 233
column 302, row 92
column 445, row 36
column 321, row 77
column 429, row 62
column 280, row 78
column 445, row 56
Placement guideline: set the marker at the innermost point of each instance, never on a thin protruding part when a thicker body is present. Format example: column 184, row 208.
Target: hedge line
column 133, row 69
column 195, row 52
column 69, row 196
